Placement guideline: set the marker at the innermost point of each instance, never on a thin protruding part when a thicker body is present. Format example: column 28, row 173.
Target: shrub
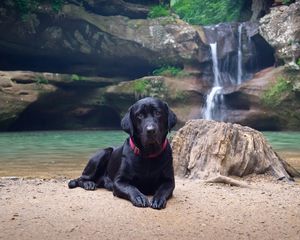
column 207, row 12
column 159, row 11
column 272, row 96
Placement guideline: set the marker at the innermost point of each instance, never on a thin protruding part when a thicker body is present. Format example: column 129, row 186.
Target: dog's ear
column 126, row 123
column 172, row 119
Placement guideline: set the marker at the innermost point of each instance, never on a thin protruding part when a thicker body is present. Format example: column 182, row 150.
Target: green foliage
column 169, row 71
column 57, row 5
column 75, row 77
column 41, row 80
column 159, row 11
column 206, row 12
column 26, row 7
column 272, row 97
column 150, row 87
column 298, row 62
column 140, row 86
column 287, row 2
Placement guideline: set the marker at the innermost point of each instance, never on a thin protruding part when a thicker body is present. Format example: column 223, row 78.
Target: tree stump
column 204, row 149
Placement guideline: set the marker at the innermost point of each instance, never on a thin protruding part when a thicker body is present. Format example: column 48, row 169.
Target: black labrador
column 143, row 165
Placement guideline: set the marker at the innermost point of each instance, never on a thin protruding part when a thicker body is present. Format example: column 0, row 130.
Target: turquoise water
column 51, row 153
column 284, row 141
column 65, row 153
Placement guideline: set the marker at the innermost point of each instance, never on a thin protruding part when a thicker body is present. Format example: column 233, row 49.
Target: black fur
column 133, row 176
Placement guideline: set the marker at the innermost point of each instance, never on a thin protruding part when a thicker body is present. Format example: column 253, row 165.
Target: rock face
column 116, row 7
column 260, row 8
column 246, row 104
column 205, row 149
column 81, row 42
column 177, row 92
column 39, row 101
column 90, row 38
column 281, row 29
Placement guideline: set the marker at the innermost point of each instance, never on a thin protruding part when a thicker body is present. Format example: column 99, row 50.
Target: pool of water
column 65, row 153
column 52, row 153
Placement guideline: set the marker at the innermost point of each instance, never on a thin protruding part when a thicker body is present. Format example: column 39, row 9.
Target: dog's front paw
column 140, row 200
column 89, row 185
column 158, row 203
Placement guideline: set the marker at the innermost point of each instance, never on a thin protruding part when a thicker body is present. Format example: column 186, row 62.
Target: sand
column 47, row 209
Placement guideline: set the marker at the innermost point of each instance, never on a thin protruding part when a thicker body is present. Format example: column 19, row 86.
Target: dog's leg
column 163, row 193
column 131, row 193
column 93, row 174
column 165, row 189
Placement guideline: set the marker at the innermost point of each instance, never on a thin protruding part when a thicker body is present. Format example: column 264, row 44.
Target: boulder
column 281, row 29
column 205, row 149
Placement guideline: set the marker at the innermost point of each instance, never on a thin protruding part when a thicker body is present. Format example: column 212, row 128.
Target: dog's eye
column 140, row 116
column 157, row 114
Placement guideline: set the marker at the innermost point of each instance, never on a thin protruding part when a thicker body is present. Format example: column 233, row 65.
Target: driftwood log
column 208, row 150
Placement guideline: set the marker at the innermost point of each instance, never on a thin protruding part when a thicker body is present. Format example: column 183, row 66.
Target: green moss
column 141, row 86
column 273, row 96
column 41, row 80
column 75, row 77
column 287, row 2
column 170, row 71
column 298, row 62
column 150, row 88
column 159, row 11
column 206, row 12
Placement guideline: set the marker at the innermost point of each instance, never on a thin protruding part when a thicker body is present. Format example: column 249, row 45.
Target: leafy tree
column 206, row 12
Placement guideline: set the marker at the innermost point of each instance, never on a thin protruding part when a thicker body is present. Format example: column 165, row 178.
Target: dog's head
column 148, row 122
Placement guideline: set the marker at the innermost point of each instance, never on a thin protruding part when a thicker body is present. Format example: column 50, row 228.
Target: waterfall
column 240, row 55
column 212, row 100
column 229, row 73
column 214, row 55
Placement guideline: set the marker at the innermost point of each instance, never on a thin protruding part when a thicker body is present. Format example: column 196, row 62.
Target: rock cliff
column 68, row 51
column 281, row 29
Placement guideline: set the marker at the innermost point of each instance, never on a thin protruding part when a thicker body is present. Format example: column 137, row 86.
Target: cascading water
column 223, row 77
column 240, row 55
column 212, row 101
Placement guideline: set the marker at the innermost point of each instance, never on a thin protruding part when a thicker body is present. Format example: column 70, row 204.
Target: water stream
column 215, row 99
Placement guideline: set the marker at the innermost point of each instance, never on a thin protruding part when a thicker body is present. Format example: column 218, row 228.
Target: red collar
column 137, row 151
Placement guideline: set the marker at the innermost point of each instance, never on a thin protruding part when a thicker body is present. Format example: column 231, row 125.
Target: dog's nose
column 150, row 130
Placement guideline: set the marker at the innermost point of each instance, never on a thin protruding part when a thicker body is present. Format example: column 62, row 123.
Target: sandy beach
column 47, row 209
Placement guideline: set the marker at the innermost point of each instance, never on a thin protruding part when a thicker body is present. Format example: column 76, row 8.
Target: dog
column 143, row 165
